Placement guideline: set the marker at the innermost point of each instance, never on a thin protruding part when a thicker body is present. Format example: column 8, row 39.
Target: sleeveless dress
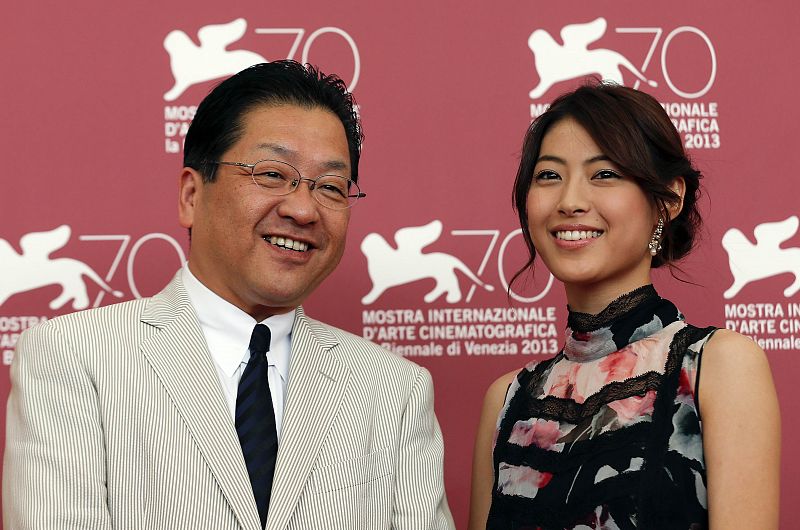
column 606, row 435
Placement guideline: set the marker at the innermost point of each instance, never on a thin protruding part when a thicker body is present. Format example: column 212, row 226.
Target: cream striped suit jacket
column 116, row 420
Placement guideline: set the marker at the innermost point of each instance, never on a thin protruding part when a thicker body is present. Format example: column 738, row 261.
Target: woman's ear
column 678, row 186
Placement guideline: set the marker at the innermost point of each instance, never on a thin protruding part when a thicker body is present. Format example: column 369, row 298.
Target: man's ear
column 678, row 186
column 190, row 189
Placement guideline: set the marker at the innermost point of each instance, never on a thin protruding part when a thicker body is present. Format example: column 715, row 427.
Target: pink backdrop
column 91, row 142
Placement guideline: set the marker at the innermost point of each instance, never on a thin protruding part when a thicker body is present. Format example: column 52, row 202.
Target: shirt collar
column 227, row 328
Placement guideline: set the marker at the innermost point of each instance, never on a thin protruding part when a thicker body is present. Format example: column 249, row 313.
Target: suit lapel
column 317, row 380
column 179, row 355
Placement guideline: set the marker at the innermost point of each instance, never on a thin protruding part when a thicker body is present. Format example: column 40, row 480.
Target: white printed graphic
column 389, row 267
column 192, row 64
column 556, row 62
column 34, row 269
column 751, row 262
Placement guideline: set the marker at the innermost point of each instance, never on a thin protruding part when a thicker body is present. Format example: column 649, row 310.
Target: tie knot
column 259, row 340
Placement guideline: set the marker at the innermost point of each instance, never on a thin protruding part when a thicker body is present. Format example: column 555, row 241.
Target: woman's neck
column 593, row 299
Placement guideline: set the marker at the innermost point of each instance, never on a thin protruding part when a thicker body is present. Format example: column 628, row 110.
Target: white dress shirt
column 227, row 330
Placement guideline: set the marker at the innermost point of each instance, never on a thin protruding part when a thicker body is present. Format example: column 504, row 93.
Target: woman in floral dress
column 621, row 429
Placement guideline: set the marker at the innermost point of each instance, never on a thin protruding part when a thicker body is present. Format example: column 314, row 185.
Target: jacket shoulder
column 98, row 318
column 361, row 352
column 103, row 329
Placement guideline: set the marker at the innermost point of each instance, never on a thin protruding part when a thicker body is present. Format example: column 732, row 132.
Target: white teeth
column 577, row 235
column 285, row 242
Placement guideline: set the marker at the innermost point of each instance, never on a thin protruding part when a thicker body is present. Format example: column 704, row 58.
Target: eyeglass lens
column 280, row 178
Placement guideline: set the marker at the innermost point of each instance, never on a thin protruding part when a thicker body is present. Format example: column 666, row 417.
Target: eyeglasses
column 279, row 178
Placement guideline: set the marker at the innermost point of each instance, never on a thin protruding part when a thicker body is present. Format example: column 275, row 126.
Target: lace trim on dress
column 631, row 317
column 550, row 407
column 585, row 322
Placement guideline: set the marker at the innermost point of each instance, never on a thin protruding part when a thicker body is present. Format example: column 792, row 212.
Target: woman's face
column 590, row 223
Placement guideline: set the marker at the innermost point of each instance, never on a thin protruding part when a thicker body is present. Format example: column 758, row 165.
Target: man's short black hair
column 218, row 122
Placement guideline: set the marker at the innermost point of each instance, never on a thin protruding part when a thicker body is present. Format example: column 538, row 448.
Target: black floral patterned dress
column 606, row 435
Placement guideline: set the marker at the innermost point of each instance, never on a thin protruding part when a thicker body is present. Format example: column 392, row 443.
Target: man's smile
column 287, row 243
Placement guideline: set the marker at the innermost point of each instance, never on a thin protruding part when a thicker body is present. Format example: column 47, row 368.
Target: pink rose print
column 633, row 408
column 543, row 433
column 619, row 365
column 521, row 480
column 562, row 382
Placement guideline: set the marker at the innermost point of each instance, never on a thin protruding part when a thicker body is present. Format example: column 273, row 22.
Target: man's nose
column 300, row 204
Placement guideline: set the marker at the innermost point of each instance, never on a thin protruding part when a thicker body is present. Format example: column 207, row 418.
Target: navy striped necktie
column 255, row 421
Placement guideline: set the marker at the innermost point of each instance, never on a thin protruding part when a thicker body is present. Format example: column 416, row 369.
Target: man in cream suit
column 218, row 404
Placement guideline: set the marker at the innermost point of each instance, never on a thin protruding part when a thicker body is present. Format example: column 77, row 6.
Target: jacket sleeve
column 54, row 473
column 420, row 501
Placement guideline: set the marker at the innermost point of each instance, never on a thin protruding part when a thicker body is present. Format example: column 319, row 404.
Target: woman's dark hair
column 635, row 133
column 218, row 122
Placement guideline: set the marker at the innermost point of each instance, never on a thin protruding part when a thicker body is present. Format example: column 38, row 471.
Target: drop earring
column 655, row 242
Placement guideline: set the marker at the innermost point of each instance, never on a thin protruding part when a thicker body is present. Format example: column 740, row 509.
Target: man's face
column 233, row 220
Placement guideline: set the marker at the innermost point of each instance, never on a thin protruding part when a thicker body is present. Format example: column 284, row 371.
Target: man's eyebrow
column 337, row 165
column 277, row 148
column 291, row 155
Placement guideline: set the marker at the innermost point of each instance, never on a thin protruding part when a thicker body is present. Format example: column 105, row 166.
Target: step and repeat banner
column 97, row 101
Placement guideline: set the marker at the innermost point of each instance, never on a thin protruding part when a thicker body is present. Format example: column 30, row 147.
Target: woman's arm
column 741, row 433
column 482, row 464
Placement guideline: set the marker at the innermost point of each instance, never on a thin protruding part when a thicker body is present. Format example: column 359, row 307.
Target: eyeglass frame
column 295, row 182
